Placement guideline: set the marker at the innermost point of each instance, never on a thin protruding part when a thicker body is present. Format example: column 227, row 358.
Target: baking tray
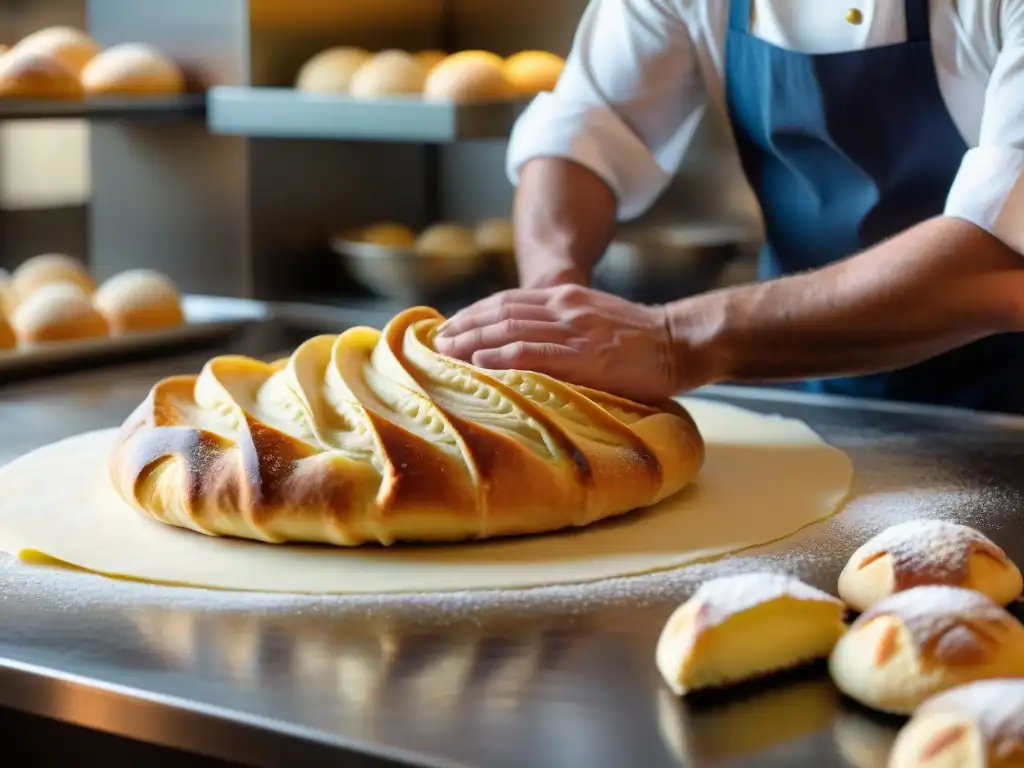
column 207, row 318
column 285, row 113
column 105, row 108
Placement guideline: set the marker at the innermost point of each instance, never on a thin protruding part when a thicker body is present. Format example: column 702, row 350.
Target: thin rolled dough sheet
column 765, row 478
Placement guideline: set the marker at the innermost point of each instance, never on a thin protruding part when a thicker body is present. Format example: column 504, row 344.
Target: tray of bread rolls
column 60, row 71
column 397, row 262
column 53, row 311
column 391, row 95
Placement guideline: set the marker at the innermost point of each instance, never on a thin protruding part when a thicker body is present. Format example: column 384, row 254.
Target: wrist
column 553, row 276
column 699, row 340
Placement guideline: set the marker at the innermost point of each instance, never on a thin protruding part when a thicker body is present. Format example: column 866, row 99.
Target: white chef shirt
column 642, row 72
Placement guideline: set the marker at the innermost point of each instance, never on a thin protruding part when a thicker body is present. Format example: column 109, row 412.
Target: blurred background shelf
column 134, row 108
column 284, row 113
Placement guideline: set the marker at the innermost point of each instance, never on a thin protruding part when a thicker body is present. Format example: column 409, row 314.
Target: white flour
column 893, row 483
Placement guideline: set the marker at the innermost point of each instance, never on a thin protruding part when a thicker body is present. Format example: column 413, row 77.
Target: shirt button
column 854, row 16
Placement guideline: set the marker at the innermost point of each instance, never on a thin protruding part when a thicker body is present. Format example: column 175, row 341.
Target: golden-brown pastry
column 132, row 69
column 390, row 235
column 531, row 72
column 30, row 75
column 331, row 71
column 71, row 47
column 7, row 338
column 737, row 628
column 49, row 268
column 7, row 299
column 920, row 552
column 979, row 725
column 495, row 236
column 469, row 76
column 388, row 73
column 445, row 239
column 372, row 436
column 139, row 300
column 916, row 643
column 57, row 312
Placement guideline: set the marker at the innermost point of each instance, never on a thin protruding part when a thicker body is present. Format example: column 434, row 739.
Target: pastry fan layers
column 764, row 478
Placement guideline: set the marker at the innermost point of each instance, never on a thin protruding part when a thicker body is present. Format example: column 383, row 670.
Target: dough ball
column 469, row 76
column 139, row 300
column 30, row 75
column 531, row 72
column 49, row 268
column 388, row 73
column 980, row 725
column 133, row 69
column 920, row 552
column 390, row 235
column 71, row 47
column 331, row 71
column 446, row 239
column 430, row 59
column 738, row 628
column 58, row 312
column 496, row 236
column 916, row 643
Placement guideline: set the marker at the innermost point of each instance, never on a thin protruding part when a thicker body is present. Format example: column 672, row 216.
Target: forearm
column 930, row 289
column 564, row 220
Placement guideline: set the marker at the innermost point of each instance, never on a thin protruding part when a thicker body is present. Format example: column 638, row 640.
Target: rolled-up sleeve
column 627, row 105
column 989, row 187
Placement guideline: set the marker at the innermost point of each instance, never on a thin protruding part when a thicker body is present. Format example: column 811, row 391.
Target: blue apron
column 844, row 150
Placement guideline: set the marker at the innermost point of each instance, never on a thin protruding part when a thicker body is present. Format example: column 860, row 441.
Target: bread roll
column 133, row 69
column 372, row 436
column 331, row 71
column 57, row 312
column 469, row 76
column 980, row 725
column 496, row 236
column 916, row 643
column 71, row 47
column 531, row 72
column 139, row 300
column 49, row 268
column 390, row 235
column 29, row 75
column 737, row 628
column 921, row 552
column 445, row 239
column 388, row 73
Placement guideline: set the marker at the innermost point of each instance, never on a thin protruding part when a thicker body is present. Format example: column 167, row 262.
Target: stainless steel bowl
column 405, row 275
column 662, row 263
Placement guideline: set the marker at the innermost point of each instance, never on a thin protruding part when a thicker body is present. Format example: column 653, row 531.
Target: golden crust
column 29, row 75
column 374, row 437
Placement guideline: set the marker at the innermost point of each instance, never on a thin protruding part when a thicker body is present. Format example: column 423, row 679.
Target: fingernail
column 442, row 329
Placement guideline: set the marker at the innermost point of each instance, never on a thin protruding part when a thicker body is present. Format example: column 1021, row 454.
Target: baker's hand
column 573, row 333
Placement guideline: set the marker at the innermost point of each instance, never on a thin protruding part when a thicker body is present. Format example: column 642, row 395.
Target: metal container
column 405, row 275
column 662, row 263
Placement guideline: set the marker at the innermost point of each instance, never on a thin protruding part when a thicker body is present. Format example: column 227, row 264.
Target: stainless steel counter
column 563, row 678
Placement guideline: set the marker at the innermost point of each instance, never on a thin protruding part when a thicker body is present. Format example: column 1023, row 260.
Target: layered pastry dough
column 980, row 725
column 920, row 552
column 372, row 436
column 738, row 628
column 917, row 643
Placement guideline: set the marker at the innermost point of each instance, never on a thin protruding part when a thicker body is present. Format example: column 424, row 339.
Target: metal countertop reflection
column 558, row 685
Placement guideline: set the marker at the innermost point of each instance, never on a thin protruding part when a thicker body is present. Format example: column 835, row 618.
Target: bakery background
column 256, row 191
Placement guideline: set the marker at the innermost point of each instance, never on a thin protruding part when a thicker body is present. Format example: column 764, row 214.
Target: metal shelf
column 106, row 108
column 284, row 113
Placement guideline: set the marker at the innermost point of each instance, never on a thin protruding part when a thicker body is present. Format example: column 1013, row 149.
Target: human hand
column 576, row 334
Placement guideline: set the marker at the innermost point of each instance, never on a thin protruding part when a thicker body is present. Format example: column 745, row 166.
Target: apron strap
column 918, row 27
column 739, row 15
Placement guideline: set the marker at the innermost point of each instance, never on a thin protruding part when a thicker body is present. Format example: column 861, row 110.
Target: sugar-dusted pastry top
column 927, row 552
column 372, row 436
